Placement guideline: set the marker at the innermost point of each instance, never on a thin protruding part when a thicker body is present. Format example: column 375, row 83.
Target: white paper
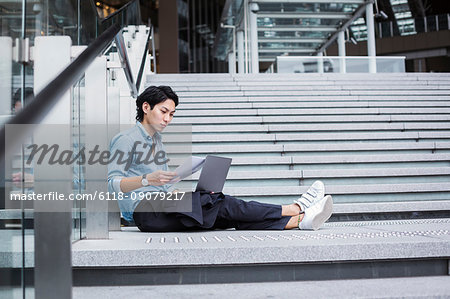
column 186, row 169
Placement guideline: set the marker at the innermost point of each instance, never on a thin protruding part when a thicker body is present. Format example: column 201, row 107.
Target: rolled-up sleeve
column 116, row 170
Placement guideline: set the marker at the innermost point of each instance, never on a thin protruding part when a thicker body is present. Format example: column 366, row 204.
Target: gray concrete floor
column 415, row 287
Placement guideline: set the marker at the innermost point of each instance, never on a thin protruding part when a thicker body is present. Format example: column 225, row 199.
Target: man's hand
column 160, row 177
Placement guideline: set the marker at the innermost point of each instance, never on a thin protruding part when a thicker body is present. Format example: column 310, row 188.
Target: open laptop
column 214, row 173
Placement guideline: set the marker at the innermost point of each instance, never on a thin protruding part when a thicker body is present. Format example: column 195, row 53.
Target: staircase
column 369, row 137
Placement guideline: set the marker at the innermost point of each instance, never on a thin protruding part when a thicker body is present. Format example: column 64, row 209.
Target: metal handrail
column 45, row 100
column 144, row 57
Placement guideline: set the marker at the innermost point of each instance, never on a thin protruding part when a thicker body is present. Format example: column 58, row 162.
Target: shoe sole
column 323, row 216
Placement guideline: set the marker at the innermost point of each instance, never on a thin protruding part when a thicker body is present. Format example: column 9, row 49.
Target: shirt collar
column 144, row 132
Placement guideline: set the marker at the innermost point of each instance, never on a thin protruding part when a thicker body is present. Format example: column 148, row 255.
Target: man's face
column 160, row 116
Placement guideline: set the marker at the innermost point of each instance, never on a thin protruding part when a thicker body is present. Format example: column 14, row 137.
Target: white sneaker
column 316, row 215
column 315, row 193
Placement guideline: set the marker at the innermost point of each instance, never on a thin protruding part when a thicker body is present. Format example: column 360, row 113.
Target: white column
column 341, row 49
column 231, row 63
column 6, row 71
column 51, row 56
column 113, row 129
column 371, row 51
column 53, row 219
column 320, row 63
column 240, row 50
column 39, row 18
column 96, row 120
column 254, row 37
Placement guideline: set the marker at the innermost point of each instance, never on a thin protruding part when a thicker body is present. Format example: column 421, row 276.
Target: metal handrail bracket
column 123, row 56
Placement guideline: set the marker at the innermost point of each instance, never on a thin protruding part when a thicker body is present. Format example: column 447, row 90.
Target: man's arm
column 117, row 174
column 157, row 178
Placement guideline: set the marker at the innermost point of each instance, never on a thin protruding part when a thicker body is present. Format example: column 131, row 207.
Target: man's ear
column 146, row 107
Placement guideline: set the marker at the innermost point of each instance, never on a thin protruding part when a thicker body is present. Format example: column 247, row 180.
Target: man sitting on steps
column 155, row 110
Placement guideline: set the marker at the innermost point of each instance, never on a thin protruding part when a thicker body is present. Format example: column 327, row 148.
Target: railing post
column 52, row 220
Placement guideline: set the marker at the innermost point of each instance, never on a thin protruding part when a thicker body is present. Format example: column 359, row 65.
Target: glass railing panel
column 16, row 216
column 443, row 22
column 431, row 23
column 307, row 7
column 292, row 34
column 333, row 64
column 410, row 26
column 298, row 21
column 288, row 46
column 16, row 178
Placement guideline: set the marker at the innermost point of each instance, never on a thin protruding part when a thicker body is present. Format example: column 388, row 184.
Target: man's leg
column 157, row 222
column 240, row 214
column 147, row 220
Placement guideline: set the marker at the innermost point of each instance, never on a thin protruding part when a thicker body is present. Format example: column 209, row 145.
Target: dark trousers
column 213, row 211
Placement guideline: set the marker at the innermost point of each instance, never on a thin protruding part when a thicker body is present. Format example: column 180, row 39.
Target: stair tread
column 335, row 242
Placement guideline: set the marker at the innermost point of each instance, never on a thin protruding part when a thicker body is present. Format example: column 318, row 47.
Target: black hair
column 154, row 95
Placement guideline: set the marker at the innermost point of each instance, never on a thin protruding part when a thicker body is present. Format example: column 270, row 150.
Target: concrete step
column 404, row 287
column 336, row 173
column 344, row 193
column 335, row 76
column 194, row 88
column 311, row 111
column 311, row 98
column 207, row 84
column 252, row 157
column 356, row 127
column 189, row 77
column 382, row 86
column 312, row 93
column 423, row 118
column 312, row 86
column 394, row 81
column 327, row 147
column 308, row 137
column 340, row 250
column 304, row 104
column 254, row 164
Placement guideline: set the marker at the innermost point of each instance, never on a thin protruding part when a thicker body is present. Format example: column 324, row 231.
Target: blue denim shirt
column 136, row 137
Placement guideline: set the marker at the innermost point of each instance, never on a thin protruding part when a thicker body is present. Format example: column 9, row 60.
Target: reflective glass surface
column 307, row 7
column 294, row 21
column 16, row 218
column 27, row 20
column 292, row 34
